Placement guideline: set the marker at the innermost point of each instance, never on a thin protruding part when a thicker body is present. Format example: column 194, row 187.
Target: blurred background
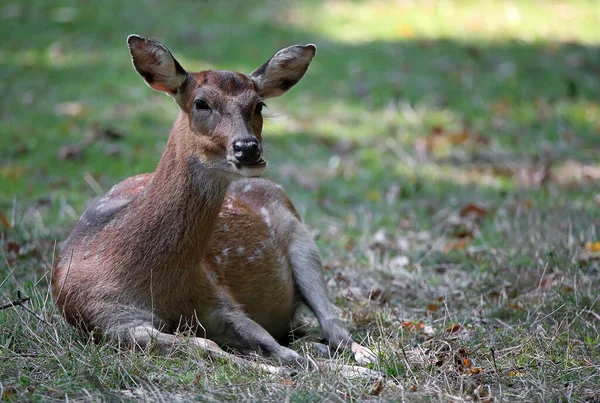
column 447, row 92
column 410, row 109
column 444, row 153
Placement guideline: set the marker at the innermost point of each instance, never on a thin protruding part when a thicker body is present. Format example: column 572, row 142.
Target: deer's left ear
column 281, row 72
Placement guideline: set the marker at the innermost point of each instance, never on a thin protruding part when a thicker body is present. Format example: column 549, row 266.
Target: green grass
column 410, row 112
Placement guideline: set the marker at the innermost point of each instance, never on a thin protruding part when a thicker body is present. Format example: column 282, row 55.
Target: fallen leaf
column 437, row 130
column 432, row 307
column 4, row 221
column 70, row 152
column 412, row 325
column 377, row 388
column 459, row 138
column 516, row 307
column 70, row 109
column 593, row 246
column 13, row 248
column 287, row 382
column 515, row 373
column 453, row 328
column 467, row 362
column 475, row 371
column 552, row 280
column 473, row 210
column 459, row 244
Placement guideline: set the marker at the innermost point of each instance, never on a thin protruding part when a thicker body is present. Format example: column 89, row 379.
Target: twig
column 17, row 302
column 20, row 301
column 496, row 369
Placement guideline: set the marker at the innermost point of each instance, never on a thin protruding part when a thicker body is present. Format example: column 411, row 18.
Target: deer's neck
column 180, row 207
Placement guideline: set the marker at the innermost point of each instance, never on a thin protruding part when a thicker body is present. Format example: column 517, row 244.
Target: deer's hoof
column 363, row 355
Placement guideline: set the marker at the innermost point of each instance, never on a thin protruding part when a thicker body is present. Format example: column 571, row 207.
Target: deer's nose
column 246, row 151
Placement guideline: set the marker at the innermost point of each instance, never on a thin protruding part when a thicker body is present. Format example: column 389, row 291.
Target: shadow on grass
column 525, row 97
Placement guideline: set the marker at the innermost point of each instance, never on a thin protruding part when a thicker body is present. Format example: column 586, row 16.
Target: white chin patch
column 250, row 172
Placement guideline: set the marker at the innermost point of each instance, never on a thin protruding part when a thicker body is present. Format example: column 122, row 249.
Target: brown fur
column 176, row 250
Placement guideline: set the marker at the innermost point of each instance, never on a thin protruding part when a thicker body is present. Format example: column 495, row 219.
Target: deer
column 203, row 250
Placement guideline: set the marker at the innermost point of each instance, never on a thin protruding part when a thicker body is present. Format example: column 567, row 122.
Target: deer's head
column 221, row 110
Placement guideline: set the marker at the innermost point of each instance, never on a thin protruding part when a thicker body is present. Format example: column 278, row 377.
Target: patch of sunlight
column 39, row 58
column 462, row 176
column 400, row 121
column 352, row 21
column 53, row 58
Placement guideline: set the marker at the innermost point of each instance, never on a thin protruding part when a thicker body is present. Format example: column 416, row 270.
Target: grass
column 444, row 154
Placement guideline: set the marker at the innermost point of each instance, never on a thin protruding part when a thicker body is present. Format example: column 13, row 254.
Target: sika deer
column 182, row 250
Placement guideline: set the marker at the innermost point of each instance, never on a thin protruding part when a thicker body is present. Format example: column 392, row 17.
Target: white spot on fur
column 218, row 260
column 256, row 255
column 139, row 178
column 225, row 252
column 247, row 187
column 240, row 250
column 266, row 217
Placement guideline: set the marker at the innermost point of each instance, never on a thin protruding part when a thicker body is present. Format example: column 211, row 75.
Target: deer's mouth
column 253, row 169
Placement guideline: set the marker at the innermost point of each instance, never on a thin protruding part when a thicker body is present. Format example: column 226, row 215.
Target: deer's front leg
column 247, row 336
column 308, row 276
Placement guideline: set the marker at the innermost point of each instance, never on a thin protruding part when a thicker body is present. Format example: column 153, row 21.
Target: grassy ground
column 444, row 153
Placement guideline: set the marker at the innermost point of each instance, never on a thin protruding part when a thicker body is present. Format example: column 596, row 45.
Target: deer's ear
column 157, row 66
column 281, row 72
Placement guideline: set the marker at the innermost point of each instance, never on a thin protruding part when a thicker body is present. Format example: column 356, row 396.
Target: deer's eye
column 201, row 104
column 259, row 107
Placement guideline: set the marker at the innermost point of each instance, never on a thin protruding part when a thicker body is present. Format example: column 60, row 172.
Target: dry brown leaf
column 432, row 307
column 13, row 248
column 552, row 280
column 473, row 210
column 593, row 246
column 516, row 373
column 454, row 328
column 377, row 388
column 412, row 325
column 4, row 221
column 287, row 382
column 459, row 244
column 516, row 307
column 459, row 138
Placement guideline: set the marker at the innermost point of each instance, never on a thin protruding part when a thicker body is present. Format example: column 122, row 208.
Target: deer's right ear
column 157, row 66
